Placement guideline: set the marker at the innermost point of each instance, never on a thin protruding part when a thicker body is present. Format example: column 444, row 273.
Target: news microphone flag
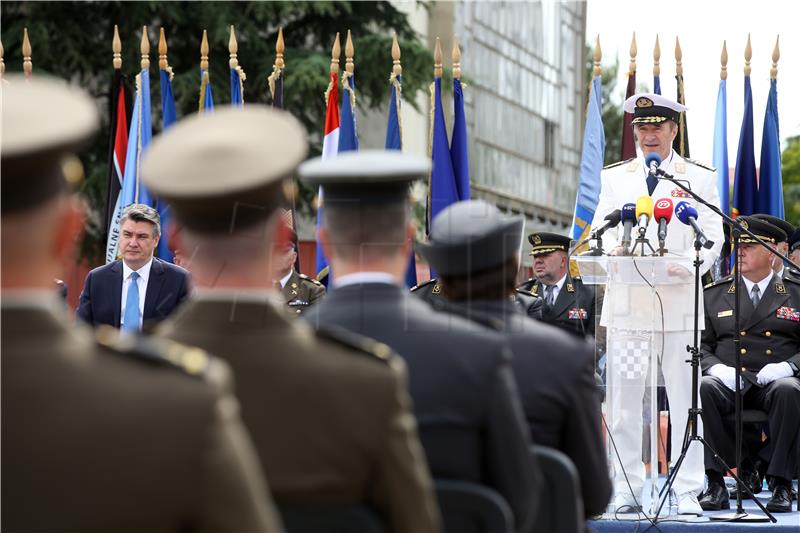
column 139, row 138
column 770, row 182
column 330, row 147
column 117, row 150
column 168, row 117
column 745, row 190
column 592, row 153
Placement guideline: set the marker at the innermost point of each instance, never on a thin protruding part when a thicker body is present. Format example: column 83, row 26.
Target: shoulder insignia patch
column 732, row 289
column 355, row 342
column 570, row 287
column 780, row 288
column 308, row 278
column 618, row 163
column 437, row 289
column 701, row 165
column 421, row 285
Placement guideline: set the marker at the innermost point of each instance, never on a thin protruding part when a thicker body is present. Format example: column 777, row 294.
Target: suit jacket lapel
column 115, row 283
column 745, row 304
column 564, row 299
column 153, row 288
column 768, row 303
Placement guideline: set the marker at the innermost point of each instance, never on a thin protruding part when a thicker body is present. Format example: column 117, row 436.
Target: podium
column 645, row 297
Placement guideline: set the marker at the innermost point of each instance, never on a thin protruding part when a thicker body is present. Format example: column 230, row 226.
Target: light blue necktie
column 131, row 322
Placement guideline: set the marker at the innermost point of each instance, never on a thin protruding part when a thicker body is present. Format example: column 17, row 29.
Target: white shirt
column 763, row 285
column 144, row 276
column 556, row 288
column 285, row 279
column 358, row 278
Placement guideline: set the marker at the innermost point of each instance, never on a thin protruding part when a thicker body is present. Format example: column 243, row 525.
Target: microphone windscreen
column 628, row 212
column 649, row 158
column 644, row 206
column 684, row 211
column 613, row 217
column 663, row 209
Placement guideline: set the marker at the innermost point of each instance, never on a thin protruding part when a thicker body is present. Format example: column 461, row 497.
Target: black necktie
column 548, row 295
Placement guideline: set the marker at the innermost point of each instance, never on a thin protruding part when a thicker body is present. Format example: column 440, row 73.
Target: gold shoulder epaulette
column 701, row 165
column 720, row 281
column 355, row 342
column 618, row 163
column 423, row 284
column 192, row 361
column 309, row 278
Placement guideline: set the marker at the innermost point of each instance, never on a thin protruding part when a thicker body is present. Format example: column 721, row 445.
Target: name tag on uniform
column 298, row 303
column 723, row 314
column 577, row 313
column 788, row 313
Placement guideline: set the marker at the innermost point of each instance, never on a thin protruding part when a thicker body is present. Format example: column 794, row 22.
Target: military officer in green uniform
column 568, row 303
column 109, row 433
column 770, row 357
column 299, row 291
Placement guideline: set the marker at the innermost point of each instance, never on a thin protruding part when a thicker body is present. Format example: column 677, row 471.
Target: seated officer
column 475, row 249
column 299, row 291
column 782, row 246
column 770, row 356
column 568, row 303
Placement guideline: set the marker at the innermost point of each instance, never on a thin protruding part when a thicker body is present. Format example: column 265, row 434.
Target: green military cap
column 44, row 121
column 787, row 228
column 761, row 229
column 544, row 242
column 228, row 169
column 365, row 177
column 471, row 236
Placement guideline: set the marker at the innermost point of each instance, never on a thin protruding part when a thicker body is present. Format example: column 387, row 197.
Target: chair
column 757, row 416
column 330, row 519
column 472, row 508
column 561, row 504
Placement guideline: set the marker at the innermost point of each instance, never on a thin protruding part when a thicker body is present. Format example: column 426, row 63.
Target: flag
column 594, row 145
column 139, row 138
column 628, row 144
column 770, row 182
column 656, row 84
column 236, row 88
column 330, row 147
column 681, row 141
column 745, row 190
column 443, row 190
column 168, row 117
column 722, row 264
column 206, row 96
column 117, row 150
column 458, row 144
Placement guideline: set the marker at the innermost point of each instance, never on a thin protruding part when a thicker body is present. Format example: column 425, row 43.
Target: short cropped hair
column 376, row 230
column 142, row 213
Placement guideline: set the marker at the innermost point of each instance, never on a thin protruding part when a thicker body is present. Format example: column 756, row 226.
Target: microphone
column 628, row 218
column 688, row 215
column 644, row 210
column 612, row 221
column 663, row 214
column 652, row 161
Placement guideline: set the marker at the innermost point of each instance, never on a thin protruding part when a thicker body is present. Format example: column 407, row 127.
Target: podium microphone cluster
column 662, row 213
column 628, row 217
column 644, row 211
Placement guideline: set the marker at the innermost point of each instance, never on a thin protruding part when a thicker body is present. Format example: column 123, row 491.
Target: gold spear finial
column 776, row 55
column 437, row 59
column 748, row 55
column 279, row 49
column 678, row 57
column 233, row 49
column 397, row 69
column 723, row 62
column 633, row 50
column 336, row 53
column 657, row 58
column 116, row 47
column 144, row 48
column 163, row 64
column 27, row 64
column 456, row 59
column 204, row 51
column 598, row 55
column 2, row 64
column 349, row 52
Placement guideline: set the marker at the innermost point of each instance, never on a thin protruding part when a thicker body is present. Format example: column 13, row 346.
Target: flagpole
column 237, row 72
column 204, row 81
column 776, row 55
column 277, row 68
column 2, row 64
column 27, row 62
column 681, row 142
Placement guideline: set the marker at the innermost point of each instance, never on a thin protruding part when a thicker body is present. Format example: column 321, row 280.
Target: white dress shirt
column 556, row 288
column 763, row 285
column 144, row 276
column 285, row 279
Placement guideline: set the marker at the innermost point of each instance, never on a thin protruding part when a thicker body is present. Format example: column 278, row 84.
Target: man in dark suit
column 554, row 370
column 467, row 405
column 139, row 288
column 329, row 413
column 770, row 358
column 106, row 434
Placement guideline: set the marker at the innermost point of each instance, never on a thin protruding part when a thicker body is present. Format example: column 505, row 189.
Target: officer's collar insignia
column 744, row 224
column 294, row 285
column 534, row 290
column 732, row 289
column 644, row 102
column 294, row 292
column 780, row 288
column 570, row 288
column 436, row 289
column 537, row 240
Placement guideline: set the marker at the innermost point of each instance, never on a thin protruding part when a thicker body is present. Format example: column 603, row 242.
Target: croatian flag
column 330, row 147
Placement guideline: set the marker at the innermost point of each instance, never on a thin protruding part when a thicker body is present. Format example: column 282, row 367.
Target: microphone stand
column 737, row 229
